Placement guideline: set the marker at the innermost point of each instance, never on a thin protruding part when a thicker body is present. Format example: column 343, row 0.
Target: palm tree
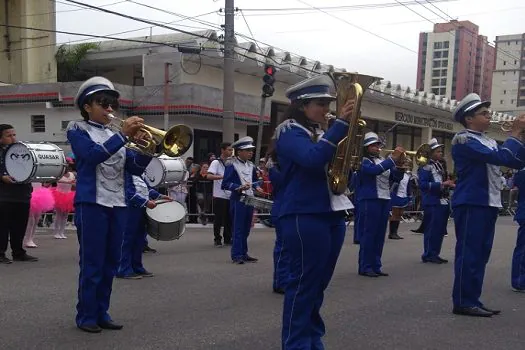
column 68, row 61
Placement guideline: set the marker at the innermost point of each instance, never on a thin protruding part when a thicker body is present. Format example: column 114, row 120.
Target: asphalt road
column 199, row 300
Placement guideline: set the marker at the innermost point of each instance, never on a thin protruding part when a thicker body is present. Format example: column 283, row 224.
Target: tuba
column 421, row 155
column 174, row 142
column 349, row 151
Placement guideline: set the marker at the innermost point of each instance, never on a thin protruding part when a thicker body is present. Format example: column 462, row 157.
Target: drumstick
column 162, row 201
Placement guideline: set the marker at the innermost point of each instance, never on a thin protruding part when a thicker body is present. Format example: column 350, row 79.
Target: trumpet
column 421, row 155
column 174, row 142
column 505, row 125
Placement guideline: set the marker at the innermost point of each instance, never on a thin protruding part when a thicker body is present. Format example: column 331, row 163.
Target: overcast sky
column 387, row 46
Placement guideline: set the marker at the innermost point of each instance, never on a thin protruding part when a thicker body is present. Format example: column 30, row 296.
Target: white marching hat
column 320, row 86
column 92, row 85
column 243, row 143
column 434, row 144
column 371, row 138
column 469, row 103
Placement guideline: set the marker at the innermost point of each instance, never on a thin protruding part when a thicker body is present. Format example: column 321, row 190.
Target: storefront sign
column 423, row 121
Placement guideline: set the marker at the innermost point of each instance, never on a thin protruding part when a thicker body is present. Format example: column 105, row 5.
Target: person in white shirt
column 221, row 198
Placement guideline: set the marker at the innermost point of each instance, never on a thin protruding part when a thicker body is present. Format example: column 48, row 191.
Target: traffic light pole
column 260, row 130
column 228, row 102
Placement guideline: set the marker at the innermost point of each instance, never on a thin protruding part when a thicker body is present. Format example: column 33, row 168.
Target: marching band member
column 436, row 207
column 100, row 202
column 373, row 195
column 241, row 177
column 518, row 261
column 353, row 189
column 64, row 198
column 139, row 196
column 14, row 205
column 477, row 198
column 312, row 219
column 281, row 258
column 401, row 196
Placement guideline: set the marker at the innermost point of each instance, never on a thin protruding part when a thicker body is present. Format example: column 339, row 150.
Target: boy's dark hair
column 4, row 127
column 469, row 114
column 225, row 145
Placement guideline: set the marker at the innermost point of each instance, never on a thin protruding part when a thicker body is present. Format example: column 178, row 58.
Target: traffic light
column 269, row 80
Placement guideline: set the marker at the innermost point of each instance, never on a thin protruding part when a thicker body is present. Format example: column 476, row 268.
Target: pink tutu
column 64, row 201
column 42, row 200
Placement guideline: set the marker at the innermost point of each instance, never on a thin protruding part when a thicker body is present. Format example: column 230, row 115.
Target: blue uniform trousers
column 434, row 230
column 475, row 227
column 281, row 258
column 133, row 243
column 518, row 259
column 356, row 223
column 314, row 242
column 99, row 230
column 373, row 221
column 242, row 222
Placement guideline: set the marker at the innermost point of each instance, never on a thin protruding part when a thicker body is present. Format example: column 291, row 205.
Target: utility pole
column 166, row 95
column 228, row 106
column 260, row 130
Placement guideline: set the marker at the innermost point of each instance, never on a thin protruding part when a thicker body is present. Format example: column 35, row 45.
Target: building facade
column 27, row 56
column 508, row 81
column 454, row 60
column 186, row 88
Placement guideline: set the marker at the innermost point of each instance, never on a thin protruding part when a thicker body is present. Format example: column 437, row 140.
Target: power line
column 440, row 10
column 78, row 8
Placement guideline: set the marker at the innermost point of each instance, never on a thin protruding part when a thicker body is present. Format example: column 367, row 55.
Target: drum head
column 167, row 212
column 154, row 173
column 19, row 162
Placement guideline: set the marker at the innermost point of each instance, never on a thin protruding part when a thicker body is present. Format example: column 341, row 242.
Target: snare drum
column 35, row 162
column 257, row 202
column 165, row 170
column 167, row 221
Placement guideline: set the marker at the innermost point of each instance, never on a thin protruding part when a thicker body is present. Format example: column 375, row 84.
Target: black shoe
column 382, row 273
column 471, row 311
column 417, row 231
column 250, row 259
column 238, row 261
column 132, row 276
column 494, row 312
column 443, row 261
column 25, row 257
column 228, row 243
column 145, row 273
column 368, row 274
column 110, row 325
column 217, row 244
column 5, row 260
column 278, row 290
column 395, row 236
column 432, row 260
column 90, row 328
column 147, row 249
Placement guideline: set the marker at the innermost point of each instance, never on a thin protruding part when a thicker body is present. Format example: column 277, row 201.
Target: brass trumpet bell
column 505, row 125
column 421, row 156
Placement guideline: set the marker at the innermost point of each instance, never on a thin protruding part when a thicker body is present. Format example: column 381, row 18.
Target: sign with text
column 423, row 121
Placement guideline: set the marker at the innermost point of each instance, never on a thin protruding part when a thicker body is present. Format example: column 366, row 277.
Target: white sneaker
column 63, row 236
column 30, row 244
column 57, row 236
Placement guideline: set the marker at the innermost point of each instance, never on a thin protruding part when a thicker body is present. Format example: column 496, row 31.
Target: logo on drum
column 24, row 156
column 150, row 178
column 48, row 156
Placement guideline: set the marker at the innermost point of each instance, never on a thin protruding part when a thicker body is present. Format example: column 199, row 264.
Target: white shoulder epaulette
column 287, row 125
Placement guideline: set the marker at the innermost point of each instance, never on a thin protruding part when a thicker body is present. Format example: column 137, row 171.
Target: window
column 38, row 123
column 438, row 45
column 435, row 73
column 442, row 91
column 435, row 82
column 445, row 44
column 444, row 63
column 445, row 53
column 500, row 102
column 511, row 102
column 437, row 54
column 435, row 91
column 64, row 124
column 444, row 72
column 436, row 64
column 504, row 63
column 444, row 81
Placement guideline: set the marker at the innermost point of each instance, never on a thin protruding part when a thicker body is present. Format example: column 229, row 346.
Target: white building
column 40, row 112
column 508, row 81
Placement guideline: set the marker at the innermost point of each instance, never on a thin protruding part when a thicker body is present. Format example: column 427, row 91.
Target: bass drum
column 35, row 162
column 166, row 170
column 167, row 221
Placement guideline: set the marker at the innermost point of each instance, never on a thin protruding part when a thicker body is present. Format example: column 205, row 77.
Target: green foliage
column 68, row 61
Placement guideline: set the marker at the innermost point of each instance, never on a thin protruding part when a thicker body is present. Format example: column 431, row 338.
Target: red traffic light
column 270, row 70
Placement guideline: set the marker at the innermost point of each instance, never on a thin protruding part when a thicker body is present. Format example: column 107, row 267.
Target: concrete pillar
column 426, row 135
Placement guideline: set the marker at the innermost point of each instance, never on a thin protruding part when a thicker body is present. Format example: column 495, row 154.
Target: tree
column 68, row 61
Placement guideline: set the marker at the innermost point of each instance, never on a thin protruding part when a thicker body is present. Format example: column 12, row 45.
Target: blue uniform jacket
column 89, row 154
column 303, row 166
column 277, row 189
column 135, row 199
column 430, row 185
column 232, row 182
column 366, row 181
column 519, row 182
column 477, row 159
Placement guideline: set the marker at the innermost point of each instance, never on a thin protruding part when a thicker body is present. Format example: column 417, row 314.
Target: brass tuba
column 421, row 155
column 174, row 142
column 349, row 151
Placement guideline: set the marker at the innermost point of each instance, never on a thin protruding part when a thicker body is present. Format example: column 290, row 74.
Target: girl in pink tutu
column 42, row 201
column 64, row 196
